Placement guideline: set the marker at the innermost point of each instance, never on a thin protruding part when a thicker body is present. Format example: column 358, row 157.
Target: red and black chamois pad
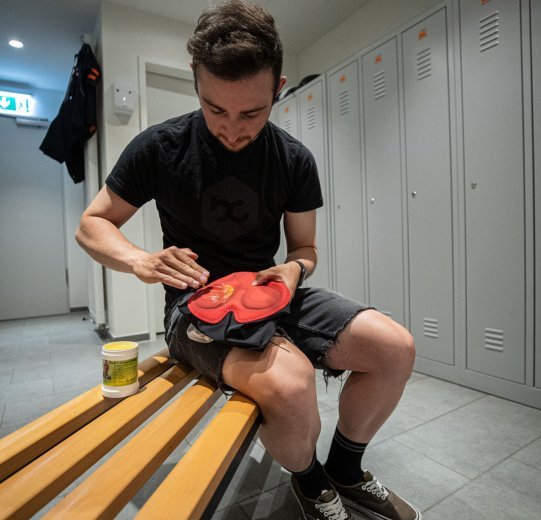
column 234, row 311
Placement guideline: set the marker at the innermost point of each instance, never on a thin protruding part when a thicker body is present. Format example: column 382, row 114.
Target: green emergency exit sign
column 13, row 104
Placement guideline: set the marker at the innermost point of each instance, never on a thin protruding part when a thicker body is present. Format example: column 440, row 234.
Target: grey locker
column 313, row 135
column 345, row 176
column 429, row 183
column 536, row 83
column 383, row 180
column 494, row 173
column 287, row 115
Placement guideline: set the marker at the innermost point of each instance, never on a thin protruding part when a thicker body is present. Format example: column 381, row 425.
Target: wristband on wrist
column 303, row 273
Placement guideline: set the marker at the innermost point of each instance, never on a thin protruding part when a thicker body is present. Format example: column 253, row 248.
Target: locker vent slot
column 430, row 328
column 489, row 32
column 379, row 84
column 288, row 125
column 424, row 64
column 494, row 339
column 343, row 103
column 311, row 113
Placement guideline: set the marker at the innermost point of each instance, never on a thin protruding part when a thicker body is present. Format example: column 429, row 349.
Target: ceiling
column 51, row 31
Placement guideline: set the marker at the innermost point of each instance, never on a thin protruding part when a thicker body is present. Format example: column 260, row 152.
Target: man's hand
column 287, row 273
column 172, row 266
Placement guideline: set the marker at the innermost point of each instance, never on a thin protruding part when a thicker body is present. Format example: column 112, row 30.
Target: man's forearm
column 306, row 254
column 106, row 244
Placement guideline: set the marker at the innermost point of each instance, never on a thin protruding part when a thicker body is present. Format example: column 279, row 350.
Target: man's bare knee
column 277, row 377
column 374, row 342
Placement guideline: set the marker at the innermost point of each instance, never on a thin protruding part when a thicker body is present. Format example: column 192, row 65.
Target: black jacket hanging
column 76, row 120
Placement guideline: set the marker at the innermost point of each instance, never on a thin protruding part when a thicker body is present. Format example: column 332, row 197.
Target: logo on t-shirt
column 229, row 209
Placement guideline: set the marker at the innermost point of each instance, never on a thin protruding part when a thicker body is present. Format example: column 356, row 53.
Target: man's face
column 236, row 111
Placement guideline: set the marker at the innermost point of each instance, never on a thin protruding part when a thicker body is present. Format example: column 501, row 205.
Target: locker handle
column 413, row 194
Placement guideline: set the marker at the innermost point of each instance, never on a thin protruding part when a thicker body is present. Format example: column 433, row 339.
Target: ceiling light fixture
column 16, row 43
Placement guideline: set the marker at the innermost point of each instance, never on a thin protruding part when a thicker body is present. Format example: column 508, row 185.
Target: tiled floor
column 458, row 454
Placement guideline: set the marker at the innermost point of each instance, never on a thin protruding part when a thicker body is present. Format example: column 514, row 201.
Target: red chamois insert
column 235, row 293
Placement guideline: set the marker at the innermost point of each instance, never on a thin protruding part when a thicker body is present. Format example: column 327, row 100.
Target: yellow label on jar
column 119, row 373
column 120, row 345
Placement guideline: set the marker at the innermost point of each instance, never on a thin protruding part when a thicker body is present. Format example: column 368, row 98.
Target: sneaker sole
column 374, row 516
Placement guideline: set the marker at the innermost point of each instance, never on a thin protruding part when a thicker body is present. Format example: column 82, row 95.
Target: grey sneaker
column 375, row 501
column 327, row 507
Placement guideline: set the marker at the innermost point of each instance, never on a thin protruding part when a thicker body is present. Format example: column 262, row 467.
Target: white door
column 167, row 97
column 32, row 249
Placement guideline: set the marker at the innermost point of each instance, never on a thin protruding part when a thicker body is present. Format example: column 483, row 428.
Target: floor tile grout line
column 261, row 492
column 434, row 460
column 518, row 461
column 472, row 480
column 444, row 413
column 451, row 469
column 284, row 484
column 522, row 448
column 393, row 436
column 484, row 472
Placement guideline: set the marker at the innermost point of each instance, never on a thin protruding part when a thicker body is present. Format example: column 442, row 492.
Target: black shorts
column 315, row 319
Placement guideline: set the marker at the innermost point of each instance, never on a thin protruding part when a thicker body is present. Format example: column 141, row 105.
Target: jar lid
column 120, row 346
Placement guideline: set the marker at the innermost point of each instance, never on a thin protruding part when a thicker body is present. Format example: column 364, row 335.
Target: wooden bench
column 38, row 461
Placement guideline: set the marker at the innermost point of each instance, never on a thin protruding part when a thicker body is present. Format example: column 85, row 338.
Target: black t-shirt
column 225, row 206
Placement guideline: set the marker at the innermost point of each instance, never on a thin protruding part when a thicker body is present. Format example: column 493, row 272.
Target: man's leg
column 380, row 354
column 281, row 380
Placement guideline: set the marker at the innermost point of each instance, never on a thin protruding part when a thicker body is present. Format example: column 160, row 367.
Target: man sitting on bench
column 222, row 178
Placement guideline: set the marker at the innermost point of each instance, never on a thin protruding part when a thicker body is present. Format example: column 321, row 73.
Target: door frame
column 170, row 69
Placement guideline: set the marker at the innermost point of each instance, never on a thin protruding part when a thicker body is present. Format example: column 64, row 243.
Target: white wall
column 373, row 21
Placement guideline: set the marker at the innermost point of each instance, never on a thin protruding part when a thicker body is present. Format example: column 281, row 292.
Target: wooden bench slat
column 117, row 480
column 33, row 486
column 27, row 443
column 190, row 486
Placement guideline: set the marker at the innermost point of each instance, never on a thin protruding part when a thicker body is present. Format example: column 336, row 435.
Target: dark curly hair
column 235, row 40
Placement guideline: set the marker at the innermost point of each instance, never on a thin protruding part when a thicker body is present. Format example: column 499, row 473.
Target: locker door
column 345, row 165
column 312, row 135
column 536, row 83
column 383, row 180
column 287, row 116
column 494, row 185
column 428, row 163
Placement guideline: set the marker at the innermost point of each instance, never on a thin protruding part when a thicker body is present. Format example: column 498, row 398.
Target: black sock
column 344, row 462
column 313, row 480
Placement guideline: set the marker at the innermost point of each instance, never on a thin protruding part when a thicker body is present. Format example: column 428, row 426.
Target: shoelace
column 334, row 509
column 376, row 487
